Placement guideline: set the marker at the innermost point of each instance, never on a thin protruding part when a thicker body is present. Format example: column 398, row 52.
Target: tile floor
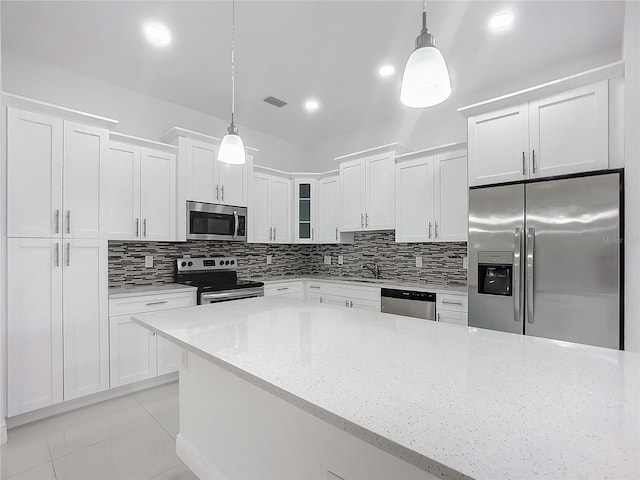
column 128, row 438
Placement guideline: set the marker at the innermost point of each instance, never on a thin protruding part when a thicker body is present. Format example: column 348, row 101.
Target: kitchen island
column 279, row 388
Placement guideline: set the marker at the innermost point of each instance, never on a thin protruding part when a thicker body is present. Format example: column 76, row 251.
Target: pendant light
column 425, row 81
column 231, row 148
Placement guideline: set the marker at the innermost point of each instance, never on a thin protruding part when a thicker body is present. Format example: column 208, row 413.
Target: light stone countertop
column 458, row 402
column 380, row 283
column 159, row 289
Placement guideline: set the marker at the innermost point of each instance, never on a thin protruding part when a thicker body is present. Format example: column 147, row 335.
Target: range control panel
column 206, row 263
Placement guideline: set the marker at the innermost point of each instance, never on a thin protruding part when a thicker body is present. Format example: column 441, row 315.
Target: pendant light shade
column 232, row 148
column 425, row 81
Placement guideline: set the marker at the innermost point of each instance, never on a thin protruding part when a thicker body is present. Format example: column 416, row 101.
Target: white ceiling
column 293, row 50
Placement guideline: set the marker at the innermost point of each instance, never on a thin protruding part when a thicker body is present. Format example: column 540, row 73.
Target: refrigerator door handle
column 517, row 298
column 531, row 239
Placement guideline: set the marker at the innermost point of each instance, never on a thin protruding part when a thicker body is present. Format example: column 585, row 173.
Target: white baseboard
column 89, row 400
column 196, row 462
column 3, row 431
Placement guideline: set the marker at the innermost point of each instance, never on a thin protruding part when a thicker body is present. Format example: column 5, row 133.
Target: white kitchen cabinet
column 328, row 230
column 140, row 192
column 169, row 356
column 452, row 309
column 448, row 316
column 53, row 167
column 283, row 289
column 305, row 210
column 270, row 211
column 431, row 204
column 233, row 181
column 342, row 295
column 556, row 135
column 367, row 193
column 57, row 328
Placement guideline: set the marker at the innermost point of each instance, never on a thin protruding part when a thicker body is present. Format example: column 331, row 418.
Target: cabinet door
column 352, row 196
column 34, row 173
column 281, row 209
column 200, row 166
column 380, row 213
column 415, row 200
column 315, row 297
column 34, row 324
column 169, row 356
column 259, row 221
column 305, row 211
column 158, row 195
column 84, row 149
column 232, row 184
column 328, row 210
column 457, row 318
column 452, row 194
column 132, row 351
column 570, row 132
column 362, row 304
column 498, row 145
column 336, row 300
column 120, row 179
column 85, row 320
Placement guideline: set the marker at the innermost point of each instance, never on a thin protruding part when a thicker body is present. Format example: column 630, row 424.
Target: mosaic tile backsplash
column 442, row 262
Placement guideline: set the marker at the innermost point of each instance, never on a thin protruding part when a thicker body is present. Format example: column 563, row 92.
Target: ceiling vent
column 276, row 102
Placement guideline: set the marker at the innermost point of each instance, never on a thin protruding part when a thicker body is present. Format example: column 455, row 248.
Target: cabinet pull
column 222, row 192
column 137, row 227
column 68, row 221
column 438, row 319
column 366, row 219
column 346, row 303
column 314, row 286
column 275, row 234
column 533, row 160
column 361, row 220
column 336, row 234
column 524, row 165
column 57, row 254
column 270, row 233
column 429, row 229
column 68, row 253
column 321, row 300
column 57, row 220
column 312, row 234
column 160, row 302
column 447, row 302
column 351, row 303
column 217, row 192
column 436, row 230
column 144, row 228
column 282, row 289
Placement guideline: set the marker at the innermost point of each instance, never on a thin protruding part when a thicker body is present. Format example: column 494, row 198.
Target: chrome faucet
column 373, row 269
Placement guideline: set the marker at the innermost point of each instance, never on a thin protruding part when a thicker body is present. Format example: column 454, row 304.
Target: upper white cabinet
column 328, row 229
column 367, row 193
column 270, row 209
column 140, row 191
column 53, row 167
column 305, row 209
column 431, row 200
column 556, row 135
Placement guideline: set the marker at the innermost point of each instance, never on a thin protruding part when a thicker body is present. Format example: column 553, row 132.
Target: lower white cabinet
column 283, row 289
column 135, row 352
column 57, row 326
column 452, row 308
column 339, row 294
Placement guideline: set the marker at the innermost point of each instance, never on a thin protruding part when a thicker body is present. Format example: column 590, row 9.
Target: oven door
column 227, row 295
column 207, row 221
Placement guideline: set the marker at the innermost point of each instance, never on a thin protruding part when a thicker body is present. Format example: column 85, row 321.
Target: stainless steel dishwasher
column 408, row 303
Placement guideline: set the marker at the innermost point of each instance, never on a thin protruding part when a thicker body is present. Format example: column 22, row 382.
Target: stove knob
column 226, row 262
column 184, row 264
column 232, row 262
column 191, row 264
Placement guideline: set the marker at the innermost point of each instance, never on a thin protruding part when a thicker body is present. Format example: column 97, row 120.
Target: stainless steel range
column 216, row 279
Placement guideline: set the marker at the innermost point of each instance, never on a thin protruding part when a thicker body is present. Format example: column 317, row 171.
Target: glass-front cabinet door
column 305, row 202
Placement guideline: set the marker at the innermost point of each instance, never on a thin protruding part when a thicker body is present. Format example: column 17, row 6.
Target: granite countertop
column 379, row 283
column 458, row 402
column 161, row 288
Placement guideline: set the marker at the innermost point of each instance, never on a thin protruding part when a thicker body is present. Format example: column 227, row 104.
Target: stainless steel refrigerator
column 545, row 259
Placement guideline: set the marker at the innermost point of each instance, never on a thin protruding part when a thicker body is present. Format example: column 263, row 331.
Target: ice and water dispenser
column 495, row 273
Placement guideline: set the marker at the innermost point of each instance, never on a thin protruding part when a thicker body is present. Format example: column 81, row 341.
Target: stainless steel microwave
column 209, row 221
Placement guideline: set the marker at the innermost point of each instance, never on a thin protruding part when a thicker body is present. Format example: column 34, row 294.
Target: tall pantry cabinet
column 57, row 317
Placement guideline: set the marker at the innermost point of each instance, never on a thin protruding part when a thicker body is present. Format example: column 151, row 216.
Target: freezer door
column 496, row 223
column 573, row 260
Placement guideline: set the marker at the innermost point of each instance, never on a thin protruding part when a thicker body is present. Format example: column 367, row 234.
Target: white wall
column 632, row 175
column 139, row 115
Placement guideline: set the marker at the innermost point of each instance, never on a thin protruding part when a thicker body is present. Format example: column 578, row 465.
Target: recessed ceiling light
column 386, row 70
column 157, row 34
column 501, row 21
column 311, row 105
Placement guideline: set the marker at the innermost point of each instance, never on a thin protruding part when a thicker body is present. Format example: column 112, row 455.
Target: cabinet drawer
column 151, row 303
column 455, row 303
column 456, row 318
column 284, row 288
column 364, row 293
column 316, row 287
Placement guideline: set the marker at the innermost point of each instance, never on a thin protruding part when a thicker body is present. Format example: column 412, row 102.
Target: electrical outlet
column 419, row 262
column 340, row 259
column 148, row 260
column 269, row 259
column 465, row 262
column 327, row 259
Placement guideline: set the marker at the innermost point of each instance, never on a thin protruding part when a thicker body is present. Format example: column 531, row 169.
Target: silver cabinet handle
column 282, row 289
column 531, row 239
column 524, row 164
column 366, row 219
column 517, row 260
column 346, row 303
column 429, row 229
column 222, row 192
column 314, row 286
column 270, row 233
column 57, row 220
column 312, row 234
column 336, row 234
column 68, row 221
column 435, row 229
column 361, row 220
column 217, row 192
column 275, row 234
column 351, row 303
column 137, row 227
column 438, row 318
column 68, row 253
column 533, row 160
column 448, row 302
column 57, row 254
column 144, row 227
column 321, row 300
column 160, row 302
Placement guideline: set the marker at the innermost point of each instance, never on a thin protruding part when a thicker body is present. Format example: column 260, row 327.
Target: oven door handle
column 236, row 224
column 233, row 295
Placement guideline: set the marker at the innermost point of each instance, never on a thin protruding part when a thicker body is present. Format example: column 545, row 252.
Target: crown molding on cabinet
column 142, row 142
column 37, row 106
column 282, row 173
column 395, row 146
column 171, row 136
column 605, row 72
column 455, row 149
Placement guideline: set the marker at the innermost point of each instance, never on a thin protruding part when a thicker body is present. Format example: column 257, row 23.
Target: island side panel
column 232, row 429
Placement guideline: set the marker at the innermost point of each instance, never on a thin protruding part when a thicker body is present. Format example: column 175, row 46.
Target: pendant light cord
column 233, row 66
column 424, row 15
